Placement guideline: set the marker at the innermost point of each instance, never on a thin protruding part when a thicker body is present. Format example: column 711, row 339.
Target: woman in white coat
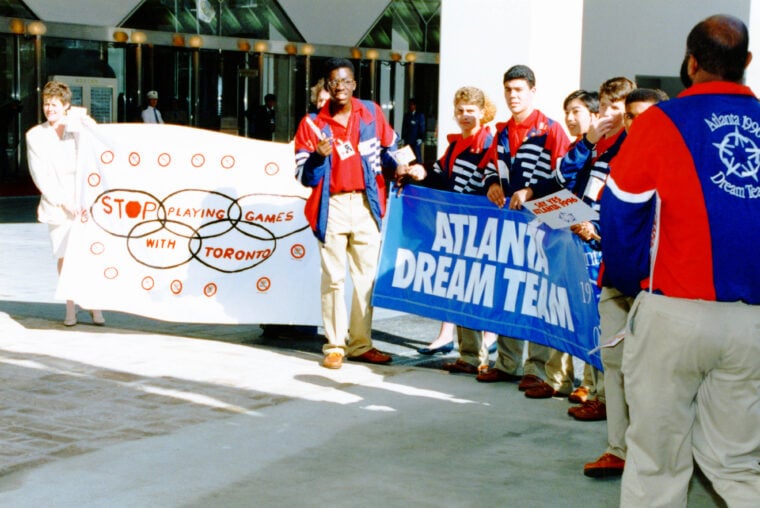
column 52, row 155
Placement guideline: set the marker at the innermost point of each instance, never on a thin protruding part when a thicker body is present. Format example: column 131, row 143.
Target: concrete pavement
column 146, row 413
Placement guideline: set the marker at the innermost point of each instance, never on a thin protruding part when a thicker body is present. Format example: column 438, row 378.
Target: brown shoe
column 496, row 375
column 591, row 411
column 604, row 466
column 572, row 409
column 543, row 391
column 332, row 361
column 529, row 381
column 460, row 367
column 579, row 395
column 372, row 356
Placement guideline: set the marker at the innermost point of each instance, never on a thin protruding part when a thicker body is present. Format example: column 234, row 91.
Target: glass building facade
column 210, row 61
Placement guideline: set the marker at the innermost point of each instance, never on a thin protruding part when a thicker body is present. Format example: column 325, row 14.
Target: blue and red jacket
column 376, row 137
column 696, row 161
column 461, row 167
column 532, row 160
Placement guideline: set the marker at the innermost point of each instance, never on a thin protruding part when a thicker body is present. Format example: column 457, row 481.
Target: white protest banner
column 561, row 209
column 190, row 225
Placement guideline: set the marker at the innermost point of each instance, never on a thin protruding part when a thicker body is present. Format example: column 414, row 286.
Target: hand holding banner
column 561, row 209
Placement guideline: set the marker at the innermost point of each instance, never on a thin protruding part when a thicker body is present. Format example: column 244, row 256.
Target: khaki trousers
column 509, row 358
column 591, row 378
column 692, row 381
column 352, row 234
column 560, row 373
column 613, row 314
column 472, row 347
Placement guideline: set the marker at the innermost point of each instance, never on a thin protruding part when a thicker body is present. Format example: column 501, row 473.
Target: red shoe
column 529, row 381
column 460, row 367
column 579, row 395
column 604, row 466
column 372, row 356
column 543, row 391
column 591, row 411
column 496, row 376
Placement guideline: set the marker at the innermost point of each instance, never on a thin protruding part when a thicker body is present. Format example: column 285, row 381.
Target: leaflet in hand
column 561, row 209
column 404, row 155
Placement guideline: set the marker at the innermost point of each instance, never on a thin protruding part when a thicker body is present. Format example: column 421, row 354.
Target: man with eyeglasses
column 340, row 153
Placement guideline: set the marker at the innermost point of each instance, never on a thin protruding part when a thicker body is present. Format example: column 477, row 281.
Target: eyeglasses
column 345, row 82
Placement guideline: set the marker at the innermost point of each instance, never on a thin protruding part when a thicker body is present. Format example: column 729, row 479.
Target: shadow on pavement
column 386, row 332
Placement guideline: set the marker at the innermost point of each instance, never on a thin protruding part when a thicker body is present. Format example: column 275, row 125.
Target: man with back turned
column 680, row 215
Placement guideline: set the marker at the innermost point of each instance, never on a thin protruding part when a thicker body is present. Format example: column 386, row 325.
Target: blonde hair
column 57, row 90
column 476, row 96
column 318, row 87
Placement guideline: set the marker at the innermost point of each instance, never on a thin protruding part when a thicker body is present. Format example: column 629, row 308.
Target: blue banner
column 458, row 258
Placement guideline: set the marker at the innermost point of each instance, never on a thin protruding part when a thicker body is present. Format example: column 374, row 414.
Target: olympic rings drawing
column 223, row 233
